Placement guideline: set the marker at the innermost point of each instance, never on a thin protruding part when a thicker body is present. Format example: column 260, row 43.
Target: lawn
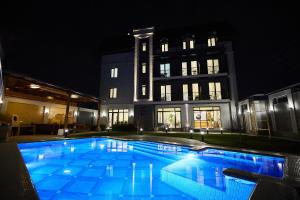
column 229, row 140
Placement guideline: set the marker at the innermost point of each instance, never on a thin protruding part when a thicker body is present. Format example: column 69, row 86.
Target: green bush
column 123, row 127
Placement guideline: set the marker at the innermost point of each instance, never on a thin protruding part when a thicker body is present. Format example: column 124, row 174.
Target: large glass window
column 195, row 90
column 215, row 90
column 165, row 92
column 207, row 117
column 185, row 92
column 114, row 73
column 169, row 116
column 213, row 66
column 144, row 68
column 194, row 67
column 117, row 116
column 165, row 70
column 113, row 93
column 184, row 68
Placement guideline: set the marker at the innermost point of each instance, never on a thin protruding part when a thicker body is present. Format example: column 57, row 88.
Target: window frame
column 114, row 72
column 113, row 92
column 164, row 94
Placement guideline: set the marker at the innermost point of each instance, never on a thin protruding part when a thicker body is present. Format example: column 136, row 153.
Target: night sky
column 61, row 42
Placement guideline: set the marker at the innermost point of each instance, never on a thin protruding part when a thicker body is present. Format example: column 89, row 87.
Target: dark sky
column 59, row 41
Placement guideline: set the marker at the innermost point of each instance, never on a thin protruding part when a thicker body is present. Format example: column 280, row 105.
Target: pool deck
column 15, row 182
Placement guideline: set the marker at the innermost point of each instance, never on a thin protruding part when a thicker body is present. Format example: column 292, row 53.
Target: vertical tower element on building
column 143, row 64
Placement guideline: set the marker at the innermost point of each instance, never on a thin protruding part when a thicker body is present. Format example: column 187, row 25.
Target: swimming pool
column 100, row 168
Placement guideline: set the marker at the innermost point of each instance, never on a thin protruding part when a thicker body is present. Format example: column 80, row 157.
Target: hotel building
column 180, row 79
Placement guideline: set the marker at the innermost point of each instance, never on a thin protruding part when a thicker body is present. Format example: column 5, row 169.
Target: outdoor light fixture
column 141, row 130
column 207, row 129
column 166, row 129
column 34, row 86
column 74, row 96
column 202, row 136
column 75, row 113
column 221, row 129
column 191, row 133
column 50, row 97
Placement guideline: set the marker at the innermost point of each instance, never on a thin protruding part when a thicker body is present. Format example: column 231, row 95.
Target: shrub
column 123, row 127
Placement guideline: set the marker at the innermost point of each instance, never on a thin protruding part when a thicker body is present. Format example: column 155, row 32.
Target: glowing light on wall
column 46, row 110
column 34, row 86
column 291, row 106
column 74, row 96
column 131, row 113
column 103, row 113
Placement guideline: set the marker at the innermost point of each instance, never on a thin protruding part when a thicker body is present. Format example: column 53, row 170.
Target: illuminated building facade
column 180, row 79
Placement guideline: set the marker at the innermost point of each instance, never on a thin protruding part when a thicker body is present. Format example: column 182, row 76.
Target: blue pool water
column 99, row 168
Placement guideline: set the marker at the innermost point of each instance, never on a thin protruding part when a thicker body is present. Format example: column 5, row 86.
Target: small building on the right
column 276, row 113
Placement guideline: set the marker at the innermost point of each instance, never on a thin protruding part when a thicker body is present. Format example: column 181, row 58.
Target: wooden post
column 67, row 115
column 99, row 113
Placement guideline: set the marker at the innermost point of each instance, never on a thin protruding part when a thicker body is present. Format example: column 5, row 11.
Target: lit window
column 211, row 42
column 169, row 116
column 184, row 68
column 117, row 116
column 164, row 47
column 191, row 44
column 184, row 45
column 143, row 90
column 185, row 92
column 215, row 90
column 165, row 70
column 165, row 92
column 207, row 117
column 195, row 90
column 194, row 67
column 144, row 46
column 144, row 68
column 213, row 66
column 114, row 73
column 113, row 93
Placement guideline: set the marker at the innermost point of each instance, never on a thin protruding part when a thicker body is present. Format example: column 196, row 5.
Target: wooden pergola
column 18, row 85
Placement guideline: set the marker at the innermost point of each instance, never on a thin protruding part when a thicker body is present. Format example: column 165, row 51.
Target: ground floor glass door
column 207, row 117
column 169, row 116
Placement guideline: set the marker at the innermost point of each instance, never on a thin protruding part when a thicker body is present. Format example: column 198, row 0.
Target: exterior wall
column 124, row 81
column 296, row 102
column 187, row 113
column 30, row 111
column 144, row 107
column 106, row 107
column 124, row 84
column 283, row 113
column 253, row 116
column 276, row 113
